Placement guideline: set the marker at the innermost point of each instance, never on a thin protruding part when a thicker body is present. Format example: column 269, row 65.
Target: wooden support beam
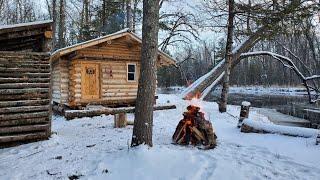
column 20, row 122
column 22, row 91
column 24, row 85
column 23, row 103
column 244, row 112
column 23, row 137
column 29, row 96
column 5, row 117
column 120, row 120
column 27, row 128
column 23, row 70
column 27, row 75
column 22, row 109
column 71, row 114
column 24, row 80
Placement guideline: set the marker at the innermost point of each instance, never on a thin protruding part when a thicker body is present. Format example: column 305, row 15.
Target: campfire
column 194, row 129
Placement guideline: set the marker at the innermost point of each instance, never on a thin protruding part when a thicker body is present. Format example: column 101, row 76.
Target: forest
column 185, row 34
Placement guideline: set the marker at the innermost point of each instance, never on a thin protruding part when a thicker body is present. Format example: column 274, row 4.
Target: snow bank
column 278, row 129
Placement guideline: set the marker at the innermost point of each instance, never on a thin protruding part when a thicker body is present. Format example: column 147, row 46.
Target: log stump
column 244, row 112
column 120, row 120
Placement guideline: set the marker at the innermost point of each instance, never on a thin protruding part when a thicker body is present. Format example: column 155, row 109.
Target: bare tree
column 143, row 120
column 62, row 25
column 228, row 57
column 129, row 14
column 134, row 14
column 288, row 63
column 179, row 27
column 268, row 22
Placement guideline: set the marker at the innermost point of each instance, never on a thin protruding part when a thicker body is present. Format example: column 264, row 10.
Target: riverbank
column 283, row 105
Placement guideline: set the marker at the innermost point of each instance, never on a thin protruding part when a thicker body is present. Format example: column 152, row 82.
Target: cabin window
column 131, row 69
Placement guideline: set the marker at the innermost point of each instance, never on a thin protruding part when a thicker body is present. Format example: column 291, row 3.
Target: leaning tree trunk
column 228, row 57
column 142, row 129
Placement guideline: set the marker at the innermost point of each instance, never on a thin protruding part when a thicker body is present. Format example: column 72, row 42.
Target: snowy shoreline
column 92, row 149
column 256, row 90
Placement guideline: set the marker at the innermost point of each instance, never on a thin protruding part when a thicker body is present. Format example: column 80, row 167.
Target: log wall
column 114, row 87
column 25, row 111
column 56, row 78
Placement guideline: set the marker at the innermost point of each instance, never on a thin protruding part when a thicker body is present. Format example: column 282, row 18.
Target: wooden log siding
column 112, row 59
column 113, row 82
column 25, row 113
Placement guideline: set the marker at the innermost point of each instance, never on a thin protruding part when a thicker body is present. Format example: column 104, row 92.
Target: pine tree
column 143, row 120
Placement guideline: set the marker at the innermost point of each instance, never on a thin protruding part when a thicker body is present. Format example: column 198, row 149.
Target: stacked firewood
column 194, row 129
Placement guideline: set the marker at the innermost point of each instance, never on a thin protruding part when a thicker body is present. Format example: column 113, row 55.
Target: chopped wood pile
column 195, row 129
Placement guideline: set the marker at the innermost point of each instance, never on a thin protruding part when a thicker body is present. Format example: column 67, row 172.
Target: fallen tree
column 71, row 114
column 251, row 126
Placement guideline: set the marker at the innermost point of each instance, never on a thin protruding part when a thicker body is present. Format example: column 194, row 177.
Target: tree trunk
column 54, row 19
column 134, row 17
column 61, row 35
column 103, row 14
column 129, row 14
column 142, row 130
column 228, row 57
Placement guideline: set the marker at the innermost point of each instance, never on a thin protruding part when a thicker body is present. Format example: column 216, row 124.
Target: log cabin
column 25, row 99
column 103, row 71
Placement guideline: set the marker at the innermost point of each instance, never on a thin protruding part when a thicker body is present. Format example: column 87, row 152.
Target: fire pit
column 194, row 129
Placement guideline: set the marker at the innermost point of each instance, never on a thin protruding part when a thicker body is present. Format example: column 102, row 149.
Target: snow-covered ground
column 92, row 149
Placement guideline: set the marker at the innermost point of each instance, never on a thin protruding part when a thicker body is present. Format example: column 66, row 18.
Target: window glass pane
column 131, row 76
column 131, row 68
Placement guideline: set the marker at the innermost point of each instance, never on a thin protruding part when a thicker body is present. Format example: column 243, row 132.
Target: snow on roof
column 2, row 27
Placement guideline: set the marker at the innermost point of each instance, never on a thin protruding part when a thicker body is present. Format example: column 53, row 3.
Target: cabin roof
column 24, row 26
column 32, row 36
column 125, row 32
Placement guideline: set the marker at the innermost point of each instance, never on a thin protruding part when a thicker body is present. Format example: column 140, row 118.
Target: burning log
column 194, row 129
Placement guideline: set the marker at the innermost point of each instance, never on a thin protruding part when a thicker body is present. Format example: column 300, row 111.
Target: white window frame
column 135, row 72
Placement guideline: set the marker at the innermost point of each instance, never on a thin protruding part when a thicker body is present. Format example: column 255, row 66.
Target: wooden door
column 90, row 84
